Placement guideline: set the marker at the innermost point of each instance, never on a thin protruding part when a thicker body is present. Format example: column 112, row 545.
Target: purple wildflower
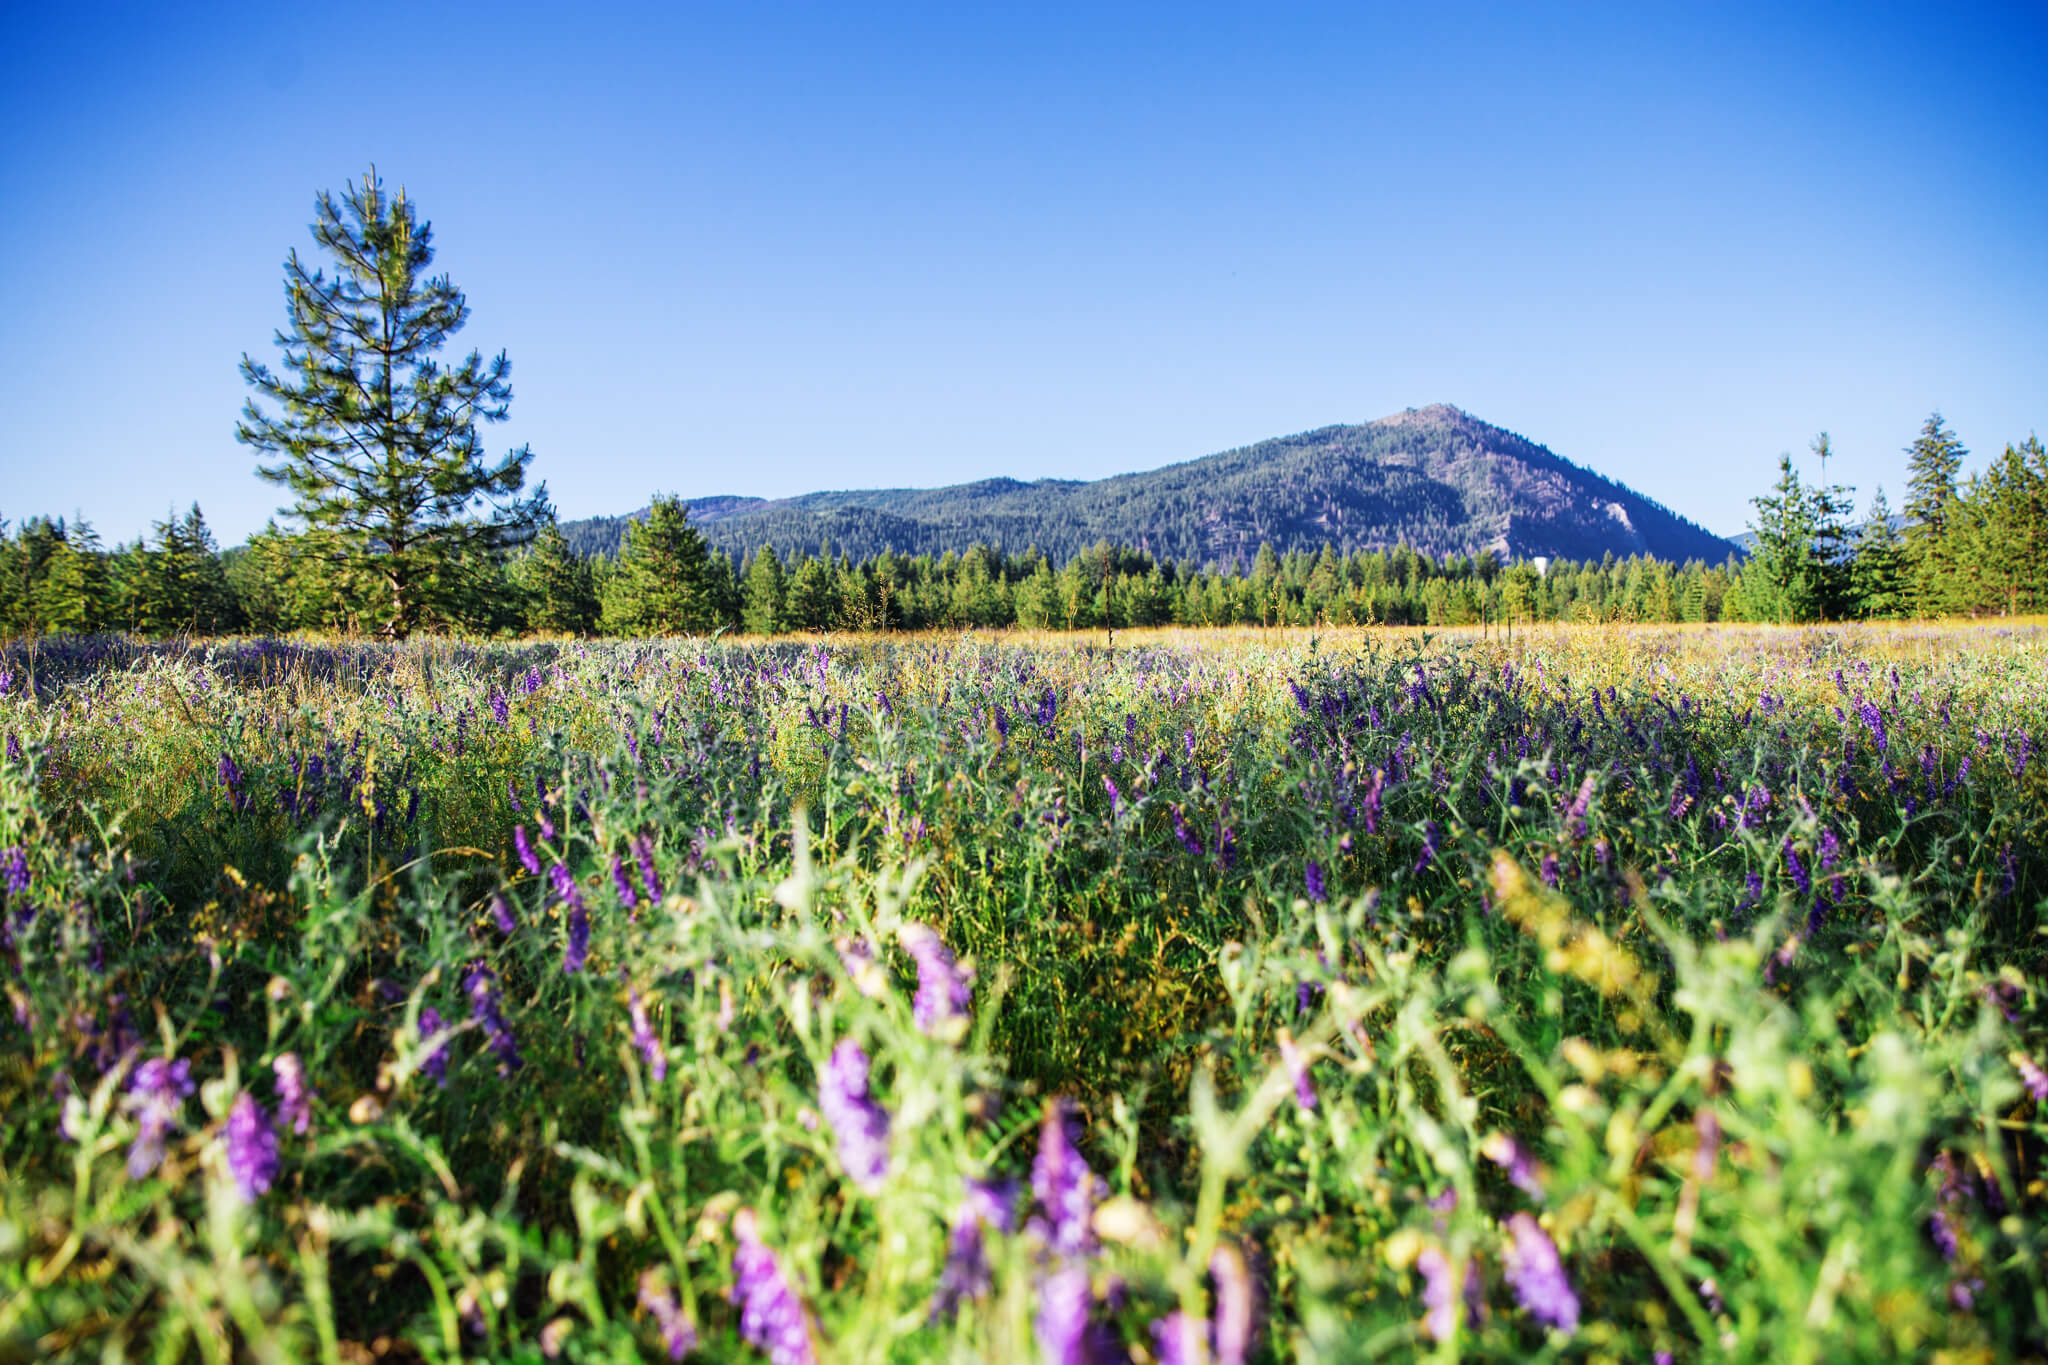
column 501, row 914
column 1297, row 1070
column 14, row 868
column 1065, row 1187
column 1536, row 1274
column 966, row 1273
column 625, row 888
column 659, row 1302
column 1236, row 1306
column 1064, row 1298
column 1429, row 849
column 1512, row 1157
column 1873, row 721
column 1116, row 799
column 252, row 1147
column 501, row 707
column 644, row 1038
column 578, row 949
column 1439, row 1295
column 2035, row 1079
column 772, row 1317
column 435, row 1063
column 486, row 1006
column 1178, row 1339
column 527, row 857
column 643, row 854
column 294, row 1096
column 861, row 1125
column 1185, row 835
column 1312, row 879
column 1575, row 813
column 942, row 990
column 1797, row 869
column 156, row 1093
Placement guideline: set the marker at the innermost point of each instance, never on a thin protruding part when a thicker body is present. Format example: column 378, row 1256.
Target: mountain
column 1435, row 478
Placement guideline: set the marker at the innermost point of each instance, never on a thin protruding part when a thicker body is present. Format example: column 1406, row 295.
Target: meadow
column 1620, row 994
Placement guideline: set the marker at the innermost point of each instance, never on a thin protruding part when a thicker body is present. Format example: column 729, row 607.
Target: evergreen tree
column 180, row 584
column 813, row 600
column 558, row 585
column 764, row 612
column 1933, row 462
column 1997, row 529
column 1877, row 574
column 664, row 583
column 376, row 441
column 1783, row 580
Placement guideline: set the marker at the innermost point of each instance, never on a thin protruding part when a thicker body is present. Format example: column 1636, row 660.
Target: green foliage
column 558, row 585
column 1934, row 462
column 666, row 581
column 1996, row 532
column 765, row 611
column 1877, row 573
column 1799, row 569
column 179, row 584
column 1659, row 942
column 376, row 440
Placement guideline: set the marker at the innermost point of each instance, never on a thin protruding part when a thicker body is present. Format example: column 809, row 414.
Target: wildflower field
column 1607, row 994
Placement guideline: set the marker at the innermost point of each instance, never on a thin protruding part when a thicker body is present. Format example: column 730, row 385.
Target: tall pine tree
column 665, row 582
column 1933, row 462
column 377, row 441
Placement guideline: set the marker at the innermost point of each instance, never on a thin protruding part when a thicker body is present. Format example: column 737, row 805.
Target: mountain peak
column 1435, row 479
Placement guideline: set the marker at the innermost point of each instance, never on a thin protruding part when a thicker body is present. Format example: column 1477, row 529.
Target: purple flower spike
column 435, row 1064
column 1065, row 1187
column 501, row 914
column 659, row 1302
column 486, row 1006
column 942, row 991
column 527, row 858
column 1178, row 1339
column 2035, row 1079
column 1512, row 1157
column 1537, row 1275
column 14, row 871
column 294, row 1096
column 578, row 949
column 860, row 1124
column 772, row 1317
column 1064, row 1299
column 1236, row 1305
column 1297, row 1070
column 626, row 897
column 988, row 1204
column 644, row 1038
column 1312, row 878
column 156, row 1093
column 252, row 1148
column 643, row 856
column 1439, row 1297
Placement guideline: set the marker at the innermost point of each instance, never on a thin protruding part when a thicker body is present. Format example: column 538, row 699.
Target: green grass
column 1752, row 996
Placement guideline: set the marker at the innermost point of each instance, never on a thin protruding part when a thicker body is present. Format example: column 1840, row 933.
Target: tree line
column 1961, row 547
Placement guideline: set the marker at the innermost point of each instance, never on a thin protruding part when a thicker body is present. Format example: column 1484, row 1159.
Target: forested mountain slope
column 1435, row 478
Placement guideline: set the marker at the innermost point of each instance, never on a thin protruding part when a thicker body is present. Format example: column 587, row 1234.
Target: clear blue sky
column 767, row 248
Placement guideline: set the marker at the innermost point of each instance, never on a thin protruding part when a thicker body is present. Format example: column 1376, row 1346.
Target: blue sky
column 769, row 248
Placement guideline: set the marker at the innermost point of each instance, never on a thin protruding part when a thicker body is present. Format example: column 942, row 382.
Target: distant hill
column 1435, row 478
